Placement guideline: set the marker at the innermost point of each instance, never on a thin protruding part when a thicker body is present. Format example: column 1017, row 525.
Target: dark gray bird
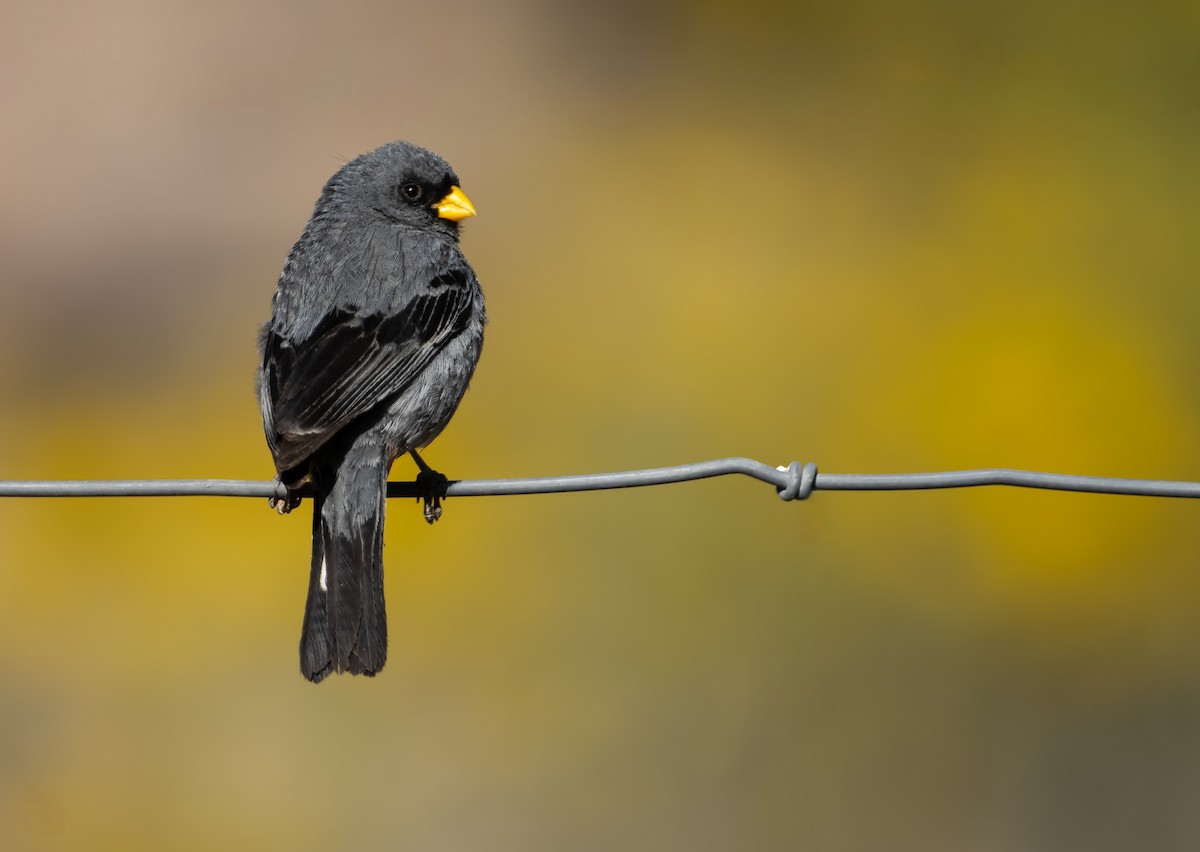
column 376, row 327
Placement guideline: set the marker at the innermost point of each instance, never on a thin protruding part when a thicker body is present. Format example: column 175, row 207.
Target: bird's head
column 403, row 183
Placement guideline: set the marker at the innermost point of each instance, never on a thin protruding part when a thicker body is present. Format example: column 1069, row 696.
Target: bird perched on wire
column 376, row 327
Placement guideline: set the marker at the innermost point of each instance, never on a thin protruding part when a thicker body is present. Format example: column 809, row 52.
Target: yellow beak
column 455, row 206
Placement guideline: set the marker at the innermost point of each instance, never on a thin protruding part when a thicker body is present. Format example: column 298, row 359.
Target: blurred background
column 883, row 237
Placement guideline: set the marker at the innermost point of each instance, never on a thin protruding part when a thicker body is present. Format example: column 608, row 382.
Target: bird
column 376, row 328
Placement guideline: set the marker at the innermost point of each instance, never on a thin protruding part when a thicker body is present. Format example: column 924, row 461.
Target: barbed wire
column 795, row 481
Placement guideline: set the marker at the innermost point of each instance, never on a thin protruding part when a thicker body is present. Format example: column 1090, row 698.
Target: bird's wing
column 353, row 362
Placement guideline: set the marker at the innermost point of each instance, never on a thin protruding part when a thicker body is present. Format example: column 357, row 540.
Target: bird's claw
column 284, row 504
column 432, row 485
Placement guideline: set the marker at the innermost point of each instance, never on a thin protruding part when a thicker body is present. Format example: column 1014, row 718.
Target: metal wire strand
column 792, row 482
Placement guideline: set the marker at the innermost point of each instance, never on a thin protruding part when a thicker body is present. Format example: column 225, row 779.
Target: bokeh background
column 880, row 236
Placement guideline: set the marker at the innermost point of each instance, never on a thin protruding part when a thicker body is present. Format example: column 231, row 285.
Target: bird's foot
column 432, row 487
column 285, row 503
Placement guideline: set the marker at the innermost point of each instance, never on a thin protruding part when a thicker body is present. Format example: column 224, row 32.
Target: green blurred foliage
column 882, row 237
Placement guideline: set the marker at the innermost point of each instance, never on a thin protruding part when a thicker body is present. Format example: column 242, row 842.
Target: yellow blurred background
column 882, row 237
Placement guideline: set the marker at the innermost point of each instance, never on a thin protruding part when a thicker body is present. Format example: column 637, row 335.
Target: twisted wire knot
column 800, row 481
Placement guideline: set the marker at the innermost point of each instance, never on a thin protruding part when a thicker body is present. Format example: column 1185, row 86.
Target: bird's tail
column 345, row 626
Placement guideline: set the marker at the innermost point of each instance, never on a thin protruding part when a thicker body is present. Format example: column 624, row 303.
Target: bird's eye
column 410, row 192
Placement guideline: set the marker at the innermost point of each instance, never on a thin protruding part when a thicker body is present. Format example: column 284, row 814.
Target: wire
column 793, row 482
